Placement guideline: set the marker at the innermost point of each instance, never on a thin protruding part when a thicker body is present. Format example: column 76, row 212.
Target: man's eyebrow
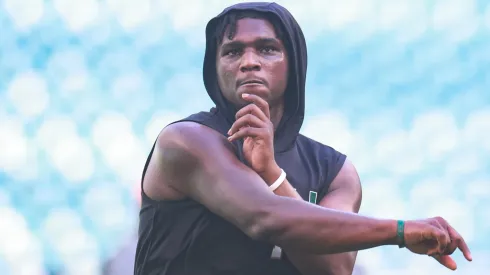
column 262, row 40
column 232, row 44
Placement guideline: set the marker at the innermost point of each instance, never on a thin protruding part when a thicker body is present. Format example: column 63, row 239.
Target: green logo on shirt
column 312, row 197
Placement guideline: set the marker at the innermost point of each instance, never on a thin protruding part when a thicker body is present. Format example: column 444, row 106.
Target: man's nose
column 250, row 62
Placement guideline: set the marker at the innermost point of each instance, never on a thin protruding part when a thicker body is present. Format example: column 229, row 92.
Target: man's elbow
column 258, row 231
column 263, row 225
column 346, row 266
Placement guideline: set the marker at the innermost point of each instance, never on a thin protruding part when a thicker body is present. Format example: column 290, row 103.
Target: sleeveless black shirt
column 185, row 238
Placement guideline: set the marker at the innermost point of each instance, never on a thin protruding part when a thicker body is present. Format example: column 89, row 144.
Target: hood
column 290, row 125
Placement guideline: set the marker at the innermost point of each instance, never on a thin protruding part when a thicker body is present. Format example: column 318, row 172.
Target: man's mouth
column 251, row 82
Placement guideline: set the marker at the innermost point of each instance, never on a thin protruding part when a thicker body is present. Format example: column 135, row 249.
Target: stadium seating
column 400, row 86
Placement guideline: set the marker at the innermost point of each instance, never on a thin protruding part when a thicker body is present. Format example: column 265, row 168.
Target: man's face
column 253, row 62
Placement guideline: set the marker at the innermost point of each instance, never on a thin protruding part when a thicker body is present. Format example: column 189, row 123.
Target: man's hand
column 436, row 238
column 253, row 124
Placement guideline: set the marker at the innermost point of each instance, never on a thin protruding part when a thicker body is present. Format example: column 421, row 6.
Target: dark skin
column 256, row 53
column 196, row 162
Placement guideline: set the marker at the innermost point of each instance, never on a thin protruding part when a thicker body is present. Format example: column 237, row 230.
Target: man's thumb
column 446, row 261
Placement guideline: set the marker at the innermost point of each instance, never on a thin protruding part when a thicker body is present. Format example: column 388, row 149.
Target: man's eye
column 268, row 49
column 233, row 52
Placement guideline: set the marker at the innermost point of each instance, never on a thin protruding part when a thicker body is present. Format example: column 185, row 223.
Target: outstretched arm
column 199, row 163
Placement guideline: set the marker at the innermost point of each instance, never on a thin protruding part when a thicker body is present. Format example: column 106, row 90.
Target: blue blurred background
column 401, row 86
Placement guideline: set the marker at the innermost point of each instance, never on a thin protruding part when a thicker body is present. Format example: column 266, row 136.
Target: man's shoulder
column 331, row 160
column 317, row 146
column 191, row 137
column 212, row 119
column 187, row 127
column 187, row 132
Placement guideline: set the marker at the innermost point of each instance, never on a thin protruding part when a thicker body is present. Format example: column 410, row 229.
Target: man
column 215, row 197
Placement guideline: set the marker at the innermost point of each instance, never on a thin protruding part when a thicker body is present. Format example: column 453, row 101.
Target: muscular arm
column 199, row 163
column 344, row 194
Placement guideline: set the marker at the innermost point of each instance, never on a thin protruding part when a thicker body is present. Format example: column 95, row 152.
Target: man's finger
column 460, row 243
column 446, row 261
column 454, row 238
column 248, row 132
column 254, row 110
column 451, row 247
column 260, row 102
column 247, row 120
column 442, row 241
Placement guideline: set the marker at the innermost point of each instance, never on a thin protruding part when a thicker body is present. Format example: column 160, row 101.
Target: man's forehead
column 248, row 29
column 254, row 25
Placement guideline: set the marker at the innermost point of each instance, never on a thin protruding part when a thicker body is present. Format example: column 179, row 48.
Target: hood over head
column 295, row 44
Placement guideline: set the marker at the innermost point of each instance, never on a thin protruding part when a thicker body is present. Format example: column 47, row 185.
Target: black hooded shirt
column 184, row 237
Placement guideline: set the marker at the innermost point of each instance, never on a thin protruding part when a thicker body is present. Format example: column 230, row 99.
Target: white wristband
column 279, row 181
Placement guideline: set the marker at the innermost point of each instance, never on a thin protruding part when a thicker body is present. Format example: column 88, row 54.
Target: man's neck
column 276, row 112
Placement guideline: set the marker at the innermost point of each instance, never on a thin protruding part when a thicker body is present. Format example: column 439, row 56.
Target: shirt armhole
column 334, row 162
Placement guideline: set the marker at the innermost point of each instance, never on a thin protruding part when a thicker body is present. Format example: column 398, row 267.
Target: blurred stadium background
column 401, row 86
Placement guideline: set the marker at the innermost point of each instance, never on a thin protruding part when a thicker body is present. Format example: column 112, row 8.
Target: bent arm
column 200, row 163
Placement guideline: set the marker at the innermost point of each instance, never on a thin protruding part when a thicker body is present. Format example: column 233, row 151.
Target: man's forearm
column 292, row 224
